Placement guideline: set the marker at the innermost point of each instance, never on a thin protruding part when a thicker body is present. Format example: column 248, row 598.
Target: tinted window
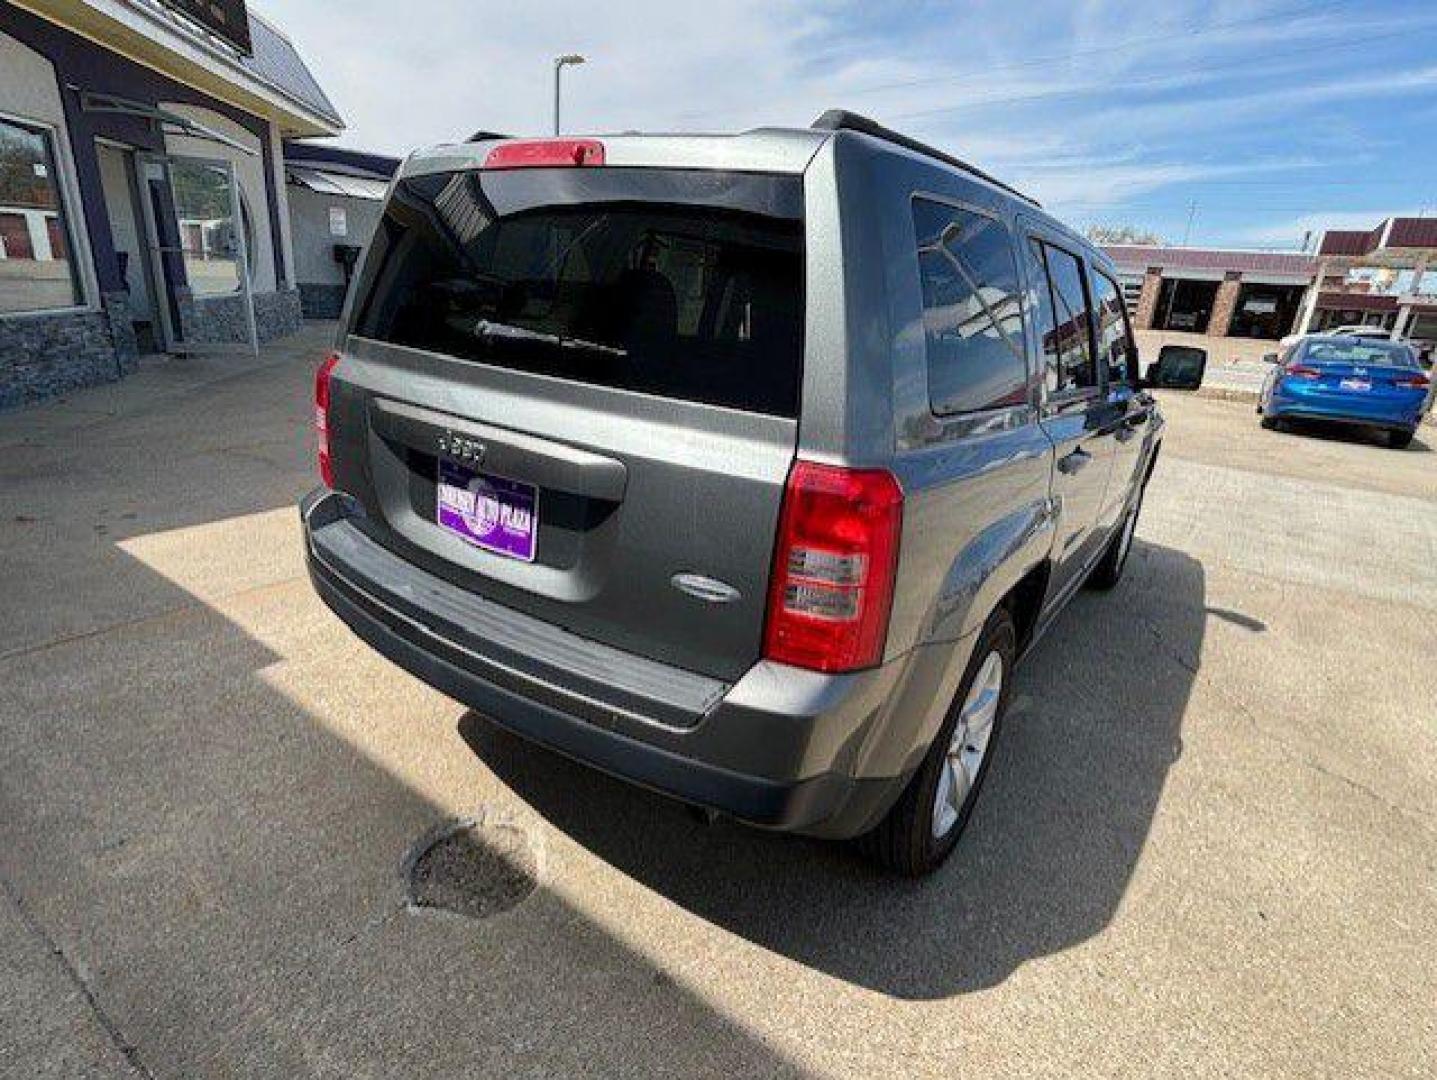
column 1114, row 344
column 1067, row 349
column 972, row 318
column 676, row 283
column 1358, row 351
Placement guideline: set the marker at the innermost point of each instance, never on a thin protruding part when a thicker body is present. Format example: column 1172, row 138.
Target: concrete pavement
column 1206, row 846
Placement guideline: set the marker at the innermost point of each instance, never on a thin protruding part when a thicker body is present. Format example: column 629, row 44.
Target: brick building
column 1379, row 277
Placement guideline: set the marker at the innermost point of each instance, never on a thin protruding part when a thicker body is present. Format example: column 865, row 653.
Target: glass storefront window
column 37, row 270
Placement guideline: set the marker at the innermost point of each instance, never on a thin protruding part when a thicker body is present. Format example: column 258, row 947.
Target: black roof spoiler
column 843, row 120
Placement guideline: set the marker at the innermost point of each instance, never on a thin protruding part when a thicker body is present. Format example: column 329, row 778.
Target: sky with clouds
column 1271, row 117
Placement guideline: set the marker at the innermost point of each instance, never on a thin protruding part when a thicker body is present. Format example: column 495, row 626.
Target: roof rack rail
column 843, row 120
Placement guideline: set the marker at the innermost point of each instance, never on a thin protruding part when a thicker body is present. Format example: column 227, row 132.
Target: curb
column 1225, row 393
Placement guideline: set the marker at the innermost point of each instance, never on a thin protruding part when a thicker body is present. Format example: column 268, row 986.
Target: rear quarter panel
column 977, row 512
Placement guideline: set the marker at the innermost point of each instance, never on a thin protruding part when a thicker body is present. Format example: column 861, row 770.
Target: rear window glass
column 679, row 283
column 1358, row 351
column 972, row 318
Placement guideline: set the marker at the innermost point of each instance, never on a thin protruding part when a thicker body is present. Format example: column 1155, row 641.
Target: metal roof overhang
column 326, row 182
column 149, row 38
column 109, row 103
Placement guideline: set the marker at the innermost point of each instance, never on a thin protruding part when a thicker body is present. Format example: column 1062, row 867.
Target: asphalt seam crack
column 126, row 1048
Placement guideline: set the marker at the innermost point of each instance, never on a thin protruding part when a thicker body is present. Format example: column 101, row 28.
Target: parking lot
column 1207, row 847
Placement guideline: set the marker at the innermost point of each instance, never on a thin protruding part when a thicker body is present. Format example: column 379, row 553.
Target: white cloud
column 1291, row 231
column 1077, row 102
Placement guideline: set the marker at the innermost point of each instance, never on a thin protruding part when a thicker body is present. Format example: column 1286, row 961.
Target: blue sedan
column 1352, row 380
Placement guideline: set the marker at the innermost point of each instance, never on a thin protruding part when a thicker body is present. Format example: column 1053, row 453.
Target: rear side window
column 1063, row 319
column 1115, row 346
column 683, row 284
column 972, row 318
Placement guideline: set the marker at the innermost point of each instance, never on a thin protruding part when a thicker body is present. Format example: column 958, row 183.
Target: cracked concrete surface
column 1206, row 847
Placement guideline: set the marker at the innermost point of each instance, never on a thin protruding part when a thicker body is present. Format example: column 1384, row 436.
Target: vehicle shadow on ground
column 1095, row 727
column 197, row 833
column 1354, row 433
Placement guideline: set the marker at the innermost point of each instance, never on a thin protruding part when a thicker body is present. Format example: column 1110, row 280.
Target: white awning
column 334, row 183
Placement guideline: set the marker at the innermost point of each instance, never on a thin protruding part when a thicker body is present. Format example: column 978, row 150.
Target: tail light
column 321, row 416
column 1415, row 381
column 545, row 154
column 834, row 567
column 1302, row 371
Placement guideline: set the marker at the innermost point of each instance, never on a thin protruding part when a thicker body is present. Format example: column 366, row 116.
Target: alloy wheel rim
column 968, row 747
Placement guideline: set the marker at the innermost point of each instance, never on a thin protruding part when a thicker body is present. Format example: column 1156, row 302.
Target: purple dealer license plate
column 490, row 512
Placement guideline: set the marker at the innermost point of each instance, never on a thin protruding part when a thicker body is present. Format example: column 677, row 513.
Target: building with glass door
column 143, row 204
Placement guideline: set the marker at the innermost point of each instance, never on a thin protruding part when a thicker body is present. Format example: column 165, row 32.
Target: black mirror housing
column 1178, row 367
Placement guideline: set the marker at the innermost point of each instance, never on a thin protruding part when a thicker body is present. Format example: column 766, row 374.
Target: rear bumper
column 1377, row 411
column 776, row 749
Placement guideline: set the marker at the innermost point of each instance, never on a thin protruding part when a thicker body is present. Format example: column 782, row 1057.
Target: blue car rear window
column 1372, row 353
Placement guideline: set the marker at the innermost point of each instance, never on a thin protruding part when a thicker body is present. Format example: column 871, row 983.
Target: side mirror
column 1270, row 358
column 1178, row 367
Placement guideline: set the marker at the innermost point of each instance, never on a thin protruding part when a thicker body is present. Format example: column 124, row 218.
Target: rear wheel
column 1400, row 440
column 924, row 825
column 1271, row 423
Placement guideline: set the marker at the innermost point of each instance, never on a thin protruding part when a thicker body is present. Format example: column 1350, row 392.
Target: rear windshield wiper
column 484, row 328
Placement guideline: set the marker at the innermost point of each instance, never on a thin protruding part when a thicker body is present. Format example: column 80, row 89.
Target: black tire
column 1109, row 570
column 1400, row 440
column 1271, row 423
column 904, row 840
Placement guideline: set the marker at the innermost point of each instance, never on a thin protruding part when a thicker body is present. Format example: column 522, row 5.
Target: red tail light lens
column 1303, row 371
column 833, row 572
column 545, row 154
column 321, row 416
column 1415, row 381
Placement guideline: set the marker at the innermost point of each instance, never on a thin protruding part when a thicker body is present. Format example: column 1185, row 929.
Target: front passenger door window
column 1067, row 351
column 1115, row 344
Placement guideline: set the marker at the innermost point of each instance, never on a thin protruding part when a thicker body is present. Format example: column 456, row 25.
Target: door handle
column 1130, row 425
column 1069, row 464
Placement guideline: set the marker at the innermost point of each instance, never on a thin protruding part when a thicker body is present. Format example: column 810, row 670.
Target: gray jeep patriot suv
column 741, row 467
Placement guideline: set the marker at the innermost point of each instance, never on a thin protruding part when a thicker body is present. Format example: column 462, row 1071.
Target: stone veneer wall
column 45, row 355
column 220, row 319
column 42, row 356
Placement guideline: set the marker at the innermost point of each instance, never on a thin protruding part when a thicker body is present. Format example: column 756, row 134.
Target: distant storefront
column 1379, row 277
column 143, row 203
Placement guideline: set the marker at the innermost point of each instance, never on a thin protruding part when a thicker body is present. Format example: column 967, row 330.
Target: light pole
column 559, row 64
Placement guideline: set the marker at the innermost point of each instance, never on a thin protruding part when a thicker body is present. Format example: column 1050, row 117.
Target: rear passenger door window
column 972, row 316
column 1115, row 343
column 1067, row 338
